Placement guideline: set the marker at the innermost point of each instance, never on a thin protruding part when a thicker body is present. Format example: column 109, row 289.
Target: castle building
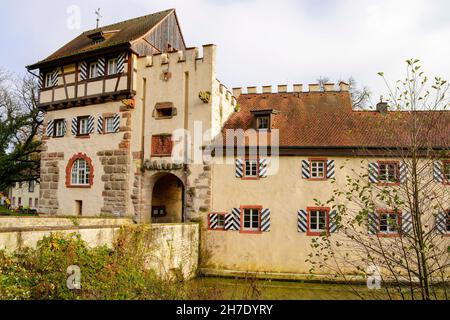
column 131, row 112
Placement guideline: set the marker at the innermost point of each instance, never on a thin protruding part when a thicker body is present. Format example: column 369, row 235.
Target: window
column 446, row 170
column 251, row 219
column 20, row 184
column 36, row 202
column 19, row 201
column 221, row 221
column 31, row 186
column 162, row 146
column 30, row 202
column 389, row 222
column 93, row 70
column 388, row 172
column 164, row 112
column 109, row 125
column 13, row 201
column 80, row 173
column 158, row 211
column 318, row 169
column 48, row 80
column 83, row 125
column 112, row 66
column 262, row 122
column 251, row 168
column 317, row 221
column 59, row 128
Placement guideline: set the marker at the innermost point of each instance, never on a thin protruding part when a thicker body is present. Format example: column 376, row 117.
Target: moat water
column 283, row 290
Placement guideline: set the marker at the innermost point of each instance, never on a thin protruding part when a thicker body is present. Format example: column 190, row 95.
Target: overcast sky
column 260, row 42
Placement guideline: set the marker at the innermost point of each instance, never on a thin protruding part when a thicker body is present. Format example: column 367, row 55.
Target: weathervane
column 97, row 12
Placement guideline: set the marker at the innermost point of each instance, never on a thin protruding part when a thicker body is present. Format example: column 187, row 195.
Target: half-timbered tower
column 113, row 97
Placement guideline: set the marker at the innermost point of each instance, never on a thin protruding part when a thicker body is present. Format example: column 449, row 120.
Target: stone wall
column 176, row 254
column 116, row 168
column 50, row 175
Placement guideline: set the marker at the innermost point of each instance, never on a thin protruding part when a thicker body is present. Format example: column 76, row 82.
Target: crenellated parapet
column 295, row 88
column 189, row 56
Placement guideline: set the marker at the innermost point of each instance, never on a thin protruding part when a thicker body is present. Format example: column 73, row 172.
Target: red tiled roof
column 326, row 119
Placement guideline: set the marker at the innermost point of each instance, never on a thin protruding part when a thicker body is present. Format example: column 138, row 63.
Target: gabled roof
column 327, row 120
column 116, row 35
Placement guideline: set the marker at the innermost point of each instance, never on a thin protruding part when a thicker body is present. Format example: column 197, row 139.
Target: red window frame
column 327, row 221
column 246, row 231
column 399, row 223
column 397, row 183
column 244, row 165
column 445, row 180
column 69, row 171
column 324, row 169
column 219, row 214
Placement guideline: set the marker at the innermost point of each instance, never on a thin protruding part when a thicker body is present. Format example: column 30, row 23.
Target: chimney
column 382, row 107
column 328, row 86
column 237, row 92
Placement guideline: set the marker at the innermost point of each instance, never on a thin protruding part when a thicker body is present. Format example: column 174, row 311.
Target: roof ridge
column 128, row 20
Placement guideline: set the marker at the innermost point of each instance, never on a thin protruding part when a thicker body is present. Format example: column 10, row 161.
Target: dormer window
column 93, row 70
column 263, row 122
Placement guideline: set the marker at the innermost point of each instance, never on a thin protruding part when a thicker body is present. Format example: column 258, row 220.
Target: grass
column 5, row 212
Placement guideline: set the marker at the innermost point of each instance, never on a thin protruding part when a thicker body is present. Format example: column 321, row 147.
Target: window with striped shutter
column 265, row 220
column 407, row 225
column 50, row 128
column 330, row 169
column 91, row 124
column 233, row 220
column 373, row 172
column 100, row 125
column 438, row 171
column 302, row 221
column 372, row 223
column 443, row 223
column 121, row 63
column 74, row 126
column 239, row 168
column 83, row 70
column 263, row 167
column 306, row 171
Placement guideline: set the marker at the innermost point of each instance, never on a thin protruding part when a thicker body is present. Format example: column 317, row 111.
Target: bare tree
column 393, row 217
column 20, row 129
column 360, row 95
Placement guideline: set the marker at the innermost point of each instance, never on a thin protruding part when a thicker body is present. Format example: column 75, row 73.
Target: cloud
column 262, row 42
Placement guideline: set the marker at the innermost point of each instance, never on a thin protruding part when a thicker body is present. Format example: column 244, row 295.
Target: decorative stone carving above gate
column 161, row 165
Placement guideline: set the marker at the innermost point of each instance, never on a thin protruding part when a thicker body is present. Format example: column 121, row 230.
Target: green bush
column 116, row 273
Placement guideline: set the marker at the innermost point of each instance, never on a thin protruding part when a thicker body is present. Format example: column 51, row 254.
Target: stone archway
column 167, row 199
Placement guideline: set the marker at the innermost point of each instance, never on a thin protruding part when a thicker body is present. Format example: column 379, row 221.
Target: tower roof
column 115, row 35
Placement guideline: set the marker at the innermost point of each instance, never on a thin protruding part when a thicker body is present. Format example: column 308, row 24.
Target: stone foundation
column 50, row 176
column 116, row 168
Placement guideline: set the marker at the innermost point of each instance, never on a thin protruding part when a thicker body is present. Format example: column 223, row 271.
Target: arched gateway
column 167, row 199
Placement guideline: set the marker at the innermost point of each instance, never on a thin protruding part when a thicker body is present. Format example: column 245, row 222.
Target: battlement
column 190, row 55
column 295, row 88
column 227, row 94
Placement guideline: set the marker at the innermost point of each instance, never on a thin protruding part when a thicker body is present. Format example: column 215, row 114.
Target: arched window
column 80, row 173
